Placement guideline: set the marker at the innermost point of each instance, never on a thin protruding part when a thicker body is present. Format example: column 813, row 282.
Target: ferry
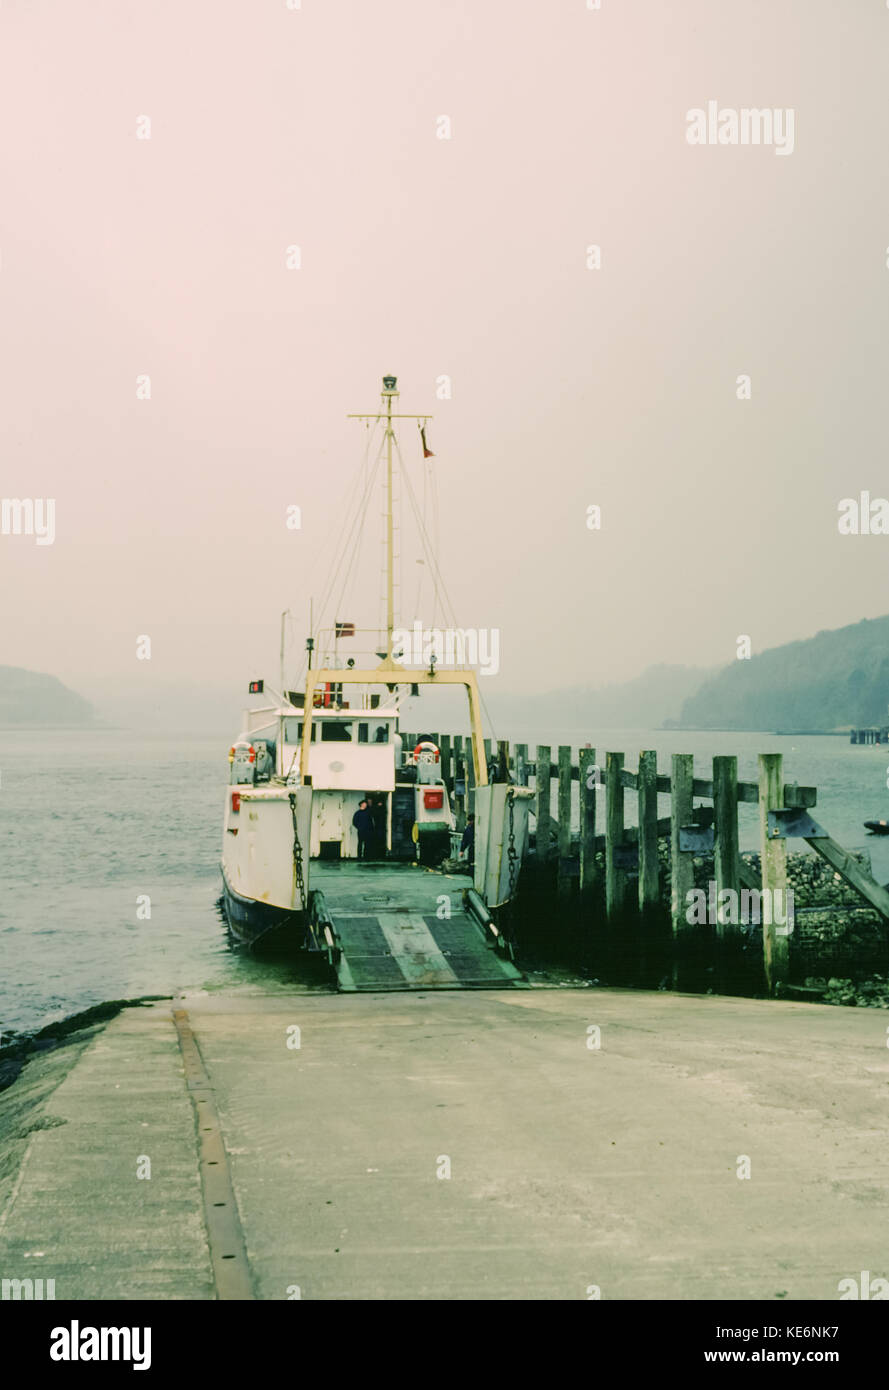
column 339, row 839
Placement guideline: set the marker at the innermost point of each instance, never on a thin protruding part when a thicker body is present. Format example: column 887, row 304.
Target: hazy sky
column 426, row 257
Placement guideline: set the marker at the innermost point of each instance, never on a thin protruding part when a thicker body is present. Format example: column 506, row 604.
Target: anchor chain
column 511, row 854
column 297, row 853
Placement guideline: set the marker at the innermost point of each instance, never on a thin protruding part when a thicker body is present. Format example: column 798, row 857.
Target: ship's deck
column 351, row 884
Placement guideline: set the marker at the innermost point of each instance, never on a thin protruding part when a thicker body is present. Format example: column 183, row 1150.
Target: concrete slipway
column 570, row 1166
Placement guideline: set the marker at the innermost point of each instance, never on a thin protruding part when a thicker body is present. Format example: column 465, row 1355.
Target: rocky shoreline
column 839, row 947
column 16, row 1049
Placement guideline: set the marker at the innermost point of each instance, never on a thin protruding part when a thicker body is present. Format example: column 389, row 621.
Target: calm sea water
column 91, row 821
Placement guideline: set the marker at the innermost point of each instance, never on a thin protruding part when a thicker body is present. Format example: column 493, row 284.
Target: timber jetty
column 626, row 893
column 869, row 736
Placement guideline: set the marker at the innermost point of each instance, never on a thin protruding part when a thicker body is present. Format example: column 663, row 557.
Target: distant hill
column 830, row 681
column 30, row 697
column 645, row 702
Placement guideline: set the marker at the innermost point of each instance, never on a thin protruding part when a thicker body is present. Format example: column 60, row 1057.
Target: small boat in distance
column 877, row 827
column 328, row 815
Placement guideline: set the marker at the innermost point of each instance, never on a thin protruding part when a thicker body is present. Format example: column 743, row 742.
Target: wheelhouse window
column 293, row 730
column 332, row 731
column 339, row 731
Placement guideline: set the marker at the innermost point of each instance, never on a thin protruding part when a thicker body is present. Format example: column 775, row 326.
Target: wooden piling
column 588, row 777
column 775, row 938
column 615, row 874
column 563, row 885
column 444, row 745
column 503, row 759
column 649, row 876
column 469, row 776
column 726, row 857
column 521, row 764
column 459, row 797
column 682, row 869
column 542, row 802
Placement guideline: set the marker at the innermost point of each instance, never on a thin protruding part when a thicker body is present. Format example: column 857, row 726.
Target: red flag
column 427, row 453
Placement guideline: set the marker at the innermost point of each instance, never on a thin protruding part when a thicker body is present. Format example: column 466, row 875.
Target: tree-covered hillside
column 829, row 681
column 30, row 697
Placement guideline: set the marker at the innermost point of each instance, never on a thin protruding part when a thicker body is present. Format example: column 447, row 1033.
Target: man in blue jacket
column 364, row 824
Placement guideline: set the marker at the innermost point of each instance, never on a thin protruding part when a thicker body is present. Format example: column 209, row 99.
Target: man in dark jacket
column 364, row 824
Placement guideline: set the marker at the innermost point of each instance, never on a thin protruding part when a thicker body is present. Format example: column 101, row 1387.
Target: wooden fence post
column 503, row 759
column 459, row 797
column 469, row 776
column 444, row 745
column 542, row 802
column 564, row 803
column 588, row 780
column 649, row 878
column 615, row 876
column 726, row 859
column 682, row 869
column 521, row 764
column 775, row 938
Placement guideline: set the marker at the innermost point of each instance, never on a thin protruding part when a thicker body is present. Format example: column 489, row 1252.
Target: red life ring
column 427, row 746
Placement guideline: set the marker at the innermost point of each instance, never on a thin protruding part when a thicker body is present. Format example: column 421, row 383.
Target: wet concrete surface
column 462, row 1145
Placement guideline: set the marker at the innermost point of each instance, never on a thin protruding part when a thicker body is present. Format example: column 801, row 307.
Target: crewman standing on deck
column 364, row 824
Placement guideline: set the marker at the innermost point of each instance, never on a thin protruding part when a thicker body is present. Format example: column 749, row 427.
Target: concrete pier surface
column 471, row 1145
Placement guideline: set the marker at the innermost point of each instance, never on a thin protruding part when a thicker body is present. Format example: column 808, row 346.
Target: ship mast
column 388, row 395
column 390, row 525
column 390, row 671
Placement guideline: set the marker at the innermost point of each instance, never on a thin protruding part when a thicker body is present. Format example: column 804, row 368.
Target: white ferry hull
column 251, row 922
column 265, row 861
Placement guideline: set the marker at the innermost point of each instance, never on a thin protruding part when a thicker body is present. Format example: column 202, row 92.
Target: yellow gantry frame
column 391, row 672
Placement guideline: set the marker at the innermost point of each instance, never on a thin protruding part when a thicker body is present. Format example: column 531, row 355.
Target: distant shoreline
column 771, row 733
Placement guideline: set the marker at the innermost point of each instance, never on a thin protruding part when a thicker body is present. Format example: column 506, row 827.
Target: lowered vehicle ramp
column 405, row 928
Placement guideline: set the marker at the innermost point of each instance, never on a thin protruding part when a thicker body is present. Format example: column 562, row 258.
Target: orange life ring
column 427, row 746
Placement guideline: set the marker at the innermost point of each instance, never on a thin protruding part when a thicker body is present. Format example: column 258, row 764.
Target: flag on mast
column 427, row 453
